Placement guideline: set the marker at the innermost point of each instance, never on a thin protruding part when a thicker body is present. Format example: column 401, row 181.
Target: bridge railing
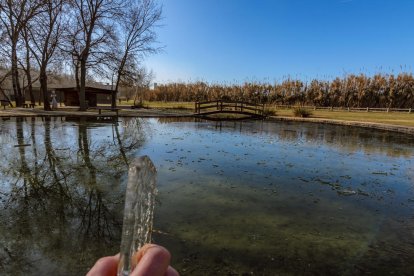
column 229, row 106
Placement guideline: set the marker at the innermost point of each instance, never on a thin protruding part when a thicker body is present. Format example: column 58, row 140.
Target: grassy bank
column 170, row 105
column 400, row 119
column 392, row 118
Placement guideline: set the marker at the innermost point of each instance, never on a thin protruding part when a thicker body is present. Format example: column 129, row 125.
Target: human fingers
column 171, row 272
column 153, row 260
column 106, row 266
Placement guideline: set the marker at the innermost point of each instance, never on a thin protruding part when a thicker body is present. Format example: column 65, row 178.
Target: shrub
column 301, row 112
column 269, row 112
column 139, row 105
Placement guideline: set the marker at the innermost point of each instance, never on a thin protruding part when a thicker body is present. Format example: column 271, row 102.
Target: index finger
column 105, row 266
column 152, row 260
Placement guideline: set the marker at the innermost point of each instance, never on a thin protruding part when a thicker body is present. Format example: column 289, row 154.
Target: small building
column 93, row 96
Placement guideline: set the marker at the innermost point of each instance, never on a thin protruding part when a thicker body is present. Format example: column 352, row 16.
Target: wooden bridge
column 229, row 107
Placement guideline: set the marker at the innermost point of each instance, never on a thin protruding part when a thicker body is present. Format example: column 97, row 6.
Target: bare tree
column 93, row 27
column 137, row 29
column 2, row 79
column 14, row 15
column 28, row 66
column 45, row 32
column 141, row 81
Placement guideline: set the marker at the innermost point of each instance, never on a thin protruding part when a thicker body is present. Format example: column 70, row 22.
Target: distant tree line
column 380, row 90
column 95, row 39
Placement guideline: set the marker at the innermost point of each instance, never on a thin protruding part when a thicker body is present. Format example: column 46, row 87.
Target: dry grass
column 392, row 118
column 171, row 105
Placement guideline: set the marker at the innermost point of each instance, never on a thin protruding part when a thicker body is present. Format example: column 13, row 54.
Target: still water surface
column 235, row 198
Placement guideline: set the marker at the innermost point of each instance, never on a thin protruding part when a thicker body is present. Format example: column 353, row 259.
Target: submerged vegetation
column 380, row 90
column 269, row 202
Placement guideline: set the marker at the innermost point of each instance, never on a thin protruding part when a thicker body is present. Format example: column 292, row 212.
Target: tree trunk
column 113, row 100
column 40, row 97
column 43, row 89
column 82, row 96
column 30, row 87
column 28, row 67
column 15, row 77
column 77, row 76
column 29, row 78
column 115, row 91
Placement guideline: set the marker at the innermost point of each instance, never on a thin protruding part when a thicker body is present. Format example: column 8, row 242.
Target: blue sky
column 232, row 41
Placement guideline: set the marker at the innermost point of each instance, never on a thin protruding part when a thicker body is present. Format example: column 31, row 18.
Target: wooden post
column 409, row 110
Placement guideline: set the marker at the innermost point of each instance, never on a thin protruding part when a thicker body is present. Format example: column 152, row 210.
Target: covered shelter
column 93, row 96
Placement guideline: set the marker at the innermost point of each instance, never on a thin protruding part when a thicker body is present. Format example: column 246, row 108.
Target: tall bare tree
column 137, row 30
column 27, row 67
column 14, row 15
column 93, row 27
column 45, row 32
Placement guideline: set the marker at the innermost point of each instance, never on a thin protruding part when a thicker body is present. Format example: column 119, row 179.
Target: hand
column 153, row 260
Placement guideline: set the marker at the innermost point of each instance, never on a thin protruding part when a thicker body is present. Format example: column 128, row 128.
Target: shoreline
column 162, row 113
column 377, row 126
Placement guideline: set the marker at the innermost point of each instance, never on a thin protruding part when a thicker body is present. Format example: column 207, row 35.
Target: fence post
column 409, row 110
column 348, row 109
column 367, row 109
column 388, row 109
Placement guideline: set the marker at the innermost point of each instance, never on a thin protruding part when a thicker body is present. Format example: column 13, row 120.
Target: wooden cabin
column 93, row 95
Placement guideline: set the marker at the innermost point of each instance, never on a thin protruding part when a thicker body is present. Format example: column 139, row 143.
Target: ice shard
column 138, row 213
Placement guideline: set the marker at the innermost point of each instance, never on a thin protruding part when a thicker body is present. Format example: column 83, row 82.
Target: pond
column 234, row 198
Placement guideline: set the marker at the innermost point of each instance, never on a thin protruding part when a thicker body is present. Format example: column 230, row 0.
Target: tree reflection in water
column 62, row 197
column 233, row 195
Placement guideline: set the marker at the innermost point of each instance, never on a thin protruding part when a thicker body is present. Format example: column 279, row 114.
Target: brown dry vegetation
column 380, row 90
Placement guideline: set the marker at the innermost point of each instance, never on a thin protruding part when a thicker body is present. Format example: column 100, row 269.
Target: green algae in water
column 219, row 210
